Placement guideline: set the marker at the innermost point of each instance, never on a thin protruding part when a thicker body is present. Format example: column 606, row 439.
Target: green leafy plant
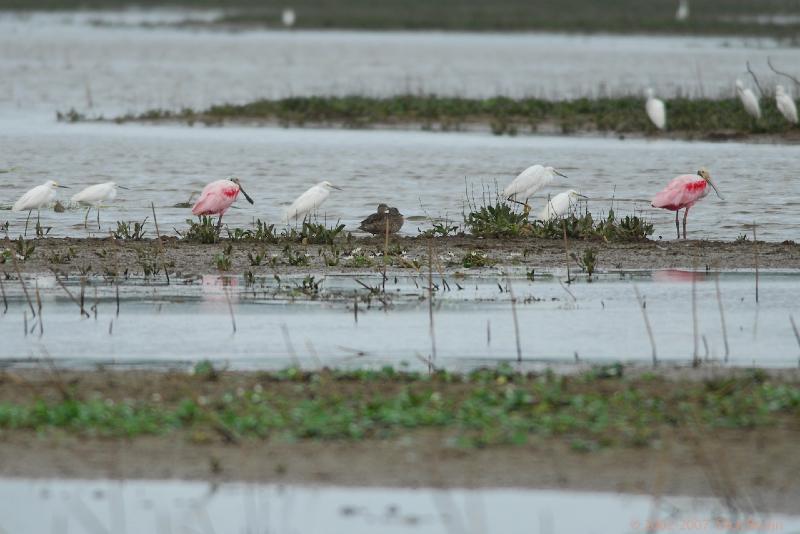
column 127, row 232
column 498, row 220
column 203, row 231
column 295, row 259
column 475, row 259
column 223, row 259
column 440, row 229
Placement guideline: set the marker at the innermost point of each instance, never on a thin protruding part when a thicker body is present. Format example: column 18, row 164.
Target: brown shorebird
column 375, row 224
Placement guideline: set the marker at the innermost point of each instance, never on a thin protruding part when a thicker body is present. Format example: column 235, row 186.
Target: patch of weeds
column 62, row 258
column 309, row 286
column 205, row 370
column 24, row 248
column 742, row 238
column 249, row 278
column 203, row 231
column 588, row 261
column 42, row 231
column 331, row 257
column 295, row 259
column 440, row 229
column 257, row 258
column 314, row 233
column 360, row 260
column 127, row 232
column 498, row 220
column 475, row 259
column 223, row 259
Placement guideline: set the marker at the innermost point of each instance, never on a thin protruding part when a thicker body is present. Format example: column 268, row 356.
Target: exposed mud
column 110, row 257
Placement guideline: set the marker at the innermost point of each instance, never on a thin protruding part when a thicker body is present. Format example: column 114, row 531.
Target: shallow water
column 423, row 174
column 76, row 506
column 61, row 60
column 276, row 327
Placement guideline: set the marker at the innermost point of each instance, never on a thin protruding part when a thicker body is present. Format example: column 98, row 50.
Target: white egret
column 288, row 17
column 528, row 182
column 560, row 205
column 683, row 10
column 94, row 195
column 309, row 201
column 785, row 104
column 749, row 100
column 656, row 110
column 36, row 199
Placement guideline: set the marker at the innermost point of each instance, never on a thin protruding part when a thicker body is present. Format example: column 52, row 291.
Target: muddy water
column 423, row 174
column 593, row 322
column 28, row 506
column 59, row 61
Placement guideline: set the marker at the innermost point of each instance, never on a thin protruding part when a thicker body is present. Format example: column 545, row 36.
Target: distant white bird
column 528, row 182
column 785, row 104
column 288, row 17
column 749, row 100
column 94, row 196
column 560, row 205
column 309, row 201
column 36, row 199
column 656, row 110
column 683, row 11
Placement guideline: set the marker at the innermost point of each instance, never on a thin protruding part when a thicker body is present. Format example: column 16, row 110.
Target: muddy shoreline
column 406, row 255
column 755, row 469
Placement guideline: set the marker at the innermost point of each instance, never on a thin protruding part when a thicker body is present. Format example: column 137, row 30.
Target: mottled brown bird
column 375, row 224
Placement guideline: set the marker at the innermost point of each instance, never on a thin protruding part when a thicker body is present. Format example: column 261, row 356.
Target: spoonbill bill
column 683, row 192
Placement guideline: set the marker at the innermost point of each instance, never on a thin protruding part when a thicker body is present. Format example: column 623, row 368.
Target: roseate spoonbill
column 683, row 192
column 377, row 222
column 217, row 197
column 529, row 182
column 94, row 195
column 683, row 11
column 785, row 104
column 749, row 100
column 37, row 198
column 310, row 200
column 560, row 205
column 655, row 110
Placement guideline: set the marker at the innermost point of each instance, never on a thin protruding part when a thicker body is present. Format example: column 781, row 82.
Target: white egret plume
column 94, row 196
column 560, row 205
column 656, row 110
column 36, row 199
column 785, row 104
column 528, row 182
column 309, row 201
column 749, row 100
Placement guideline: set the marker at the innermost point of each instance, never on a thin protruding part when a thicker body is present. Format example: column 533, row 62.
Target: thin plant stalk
column 796, row 335
column 755, row 248
column 643, row 309
column 430, row 303
column 722, row 318
column 695, row 353
column 3, row 293
column 516, row 321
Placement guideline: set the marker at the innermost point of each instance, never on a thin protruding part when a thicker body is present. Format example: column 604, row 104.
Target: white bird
column 288, row 17
column 94, row 196
column 683, row 11
column 528, row 182
column 656, row 110
column 36, row 199
column 785, row 104
column 310, row 200
column 560, row 205
column 749, row 100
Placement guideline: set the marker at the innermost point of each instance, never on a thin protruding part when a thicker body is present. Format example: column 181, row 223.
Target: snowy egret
column 785, row 104
column 288, row 17
column 682, row 193
column 217, row 197
column 94, row 195
column 560, row 205
column 309, row 201
column 656, row 110
column 377, row 222
column 683, row 11
column 528, row 182
column 749, row 100
column 36, row 199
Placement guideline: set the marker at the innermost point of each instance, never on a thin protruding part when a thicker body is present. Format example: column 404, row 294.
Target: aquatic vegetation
column 313, row 233
column 61, row 258
column 360, row 260
column 498, row 220
column 151, row 263
column 588, row 261
column 475, row 259
column 129, row 233
column 24, row 248
column 295, row 259
column 440, row 229
column 263, row 232
column 204, row 231
column 622, row 114
column 223, row 259
column 492, row 406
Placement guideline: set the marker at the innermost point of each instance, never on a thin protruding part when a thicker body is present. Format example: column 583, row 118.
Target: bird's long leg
column 98, row 216
column 86, row 218
column 685, row 214
column 26, row 222
column 677, row 224
column 219, row 224
column 38, row 222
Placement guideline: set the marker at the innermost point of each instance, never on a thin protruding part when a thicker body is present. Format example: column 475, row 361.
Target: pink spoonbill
column 683, row 192
column 217, row 197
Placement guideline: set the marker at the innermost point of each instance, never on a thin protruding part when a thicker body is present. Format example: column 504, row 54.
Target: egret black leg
column 685, row 214
column 98, row 216
column 38, row 222
column 26, row 222
column 86, row 218
column 677, row 224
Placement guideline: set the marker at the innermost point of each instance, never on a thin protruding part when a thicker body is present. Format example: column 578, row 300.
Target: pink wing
column 682, row 192
column 216, row 198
